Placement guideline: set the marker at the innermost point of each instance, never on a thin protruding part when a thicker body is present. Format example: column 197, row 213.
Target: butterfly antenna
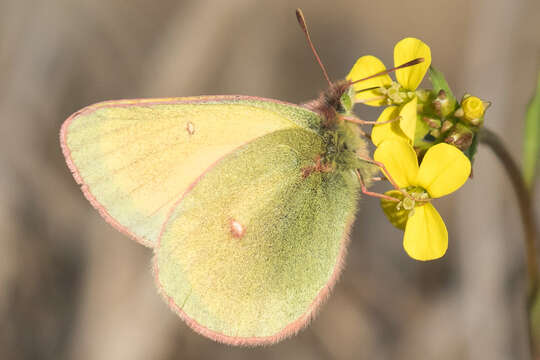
column 368, row 89
column 302, row 23
column 407, row 64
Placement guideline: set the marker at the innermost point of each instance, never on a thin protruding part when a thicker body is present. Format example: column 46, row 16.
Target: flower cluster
column 425, row 141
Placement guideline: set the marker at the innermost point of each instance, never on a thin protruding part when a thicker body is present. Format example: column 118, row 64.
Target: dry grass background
column 73, row 288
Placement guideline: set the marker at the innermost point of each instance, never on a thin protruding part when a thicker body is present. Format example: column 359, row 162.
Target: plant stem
column 492, row 140
column 528, row 219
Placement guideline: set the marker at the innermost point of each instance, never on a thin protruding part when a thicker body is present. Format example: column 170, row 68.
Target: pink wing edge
column 291, row 329
column 126, row 103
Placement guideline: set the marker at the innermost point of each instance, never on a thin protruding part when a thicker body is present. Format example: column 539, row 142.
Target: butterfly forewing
column 135, row 158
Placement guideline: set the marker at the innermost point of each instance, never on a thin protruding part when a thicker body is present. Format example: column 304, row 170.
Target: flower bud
column 443, row 105
column 432, row 123
column 473, row 110
column 460, row 136
column 446, row 125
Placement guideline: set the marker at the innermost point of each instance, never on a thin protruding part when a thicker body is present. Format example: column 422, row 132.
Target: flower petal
column 400, row 160
column 364, row 67
column 407, row 123
column 426, row 237
column 406, row 50
column 381, row 132
column 443, row 170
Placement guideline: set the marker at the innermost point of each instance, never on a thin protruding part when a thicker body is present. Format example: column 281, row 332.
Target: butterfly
column 246, row 202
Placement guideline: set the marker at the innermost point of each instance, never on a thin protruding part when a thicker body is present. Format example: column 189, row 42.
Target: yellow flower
column 385, row 91
column 443, row 170
column 392, row 129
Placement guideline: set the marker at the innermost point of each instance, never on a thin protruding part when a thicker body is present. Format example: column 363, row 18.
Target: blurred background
column 71, row 287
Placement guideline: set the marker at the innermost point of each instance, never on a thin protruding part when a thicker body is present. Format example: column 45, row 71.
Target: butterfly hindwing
column 135, row 158
column 251, row 250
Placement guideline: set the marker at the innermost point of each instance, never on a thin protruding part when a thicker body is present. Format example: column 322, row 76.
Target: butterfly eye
column 346, row 100
column 345, row 103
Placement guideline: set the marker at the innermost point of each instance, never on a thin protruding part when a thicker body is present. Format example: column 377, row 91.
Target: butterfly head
column 336, row 100
column 339, row 96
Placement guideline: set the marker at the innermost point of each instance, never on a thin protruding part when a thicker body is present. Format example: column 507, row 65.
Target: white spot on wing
column 190, row 128
column 237, row 230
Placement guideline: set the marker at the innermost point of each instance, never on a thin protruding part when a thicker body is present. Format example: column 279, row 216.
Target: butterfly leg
column 386, row 173
column 371, row 193
column 381, row 166
column 364, row 134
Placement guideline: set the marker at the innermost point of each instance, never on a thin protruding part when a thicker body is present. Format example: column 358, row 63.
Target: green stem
column 528, row 219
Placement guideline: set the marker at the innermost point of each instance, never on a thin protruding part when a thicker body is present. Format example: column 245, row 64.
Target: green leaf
column 439, row 82
column 531, row 141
